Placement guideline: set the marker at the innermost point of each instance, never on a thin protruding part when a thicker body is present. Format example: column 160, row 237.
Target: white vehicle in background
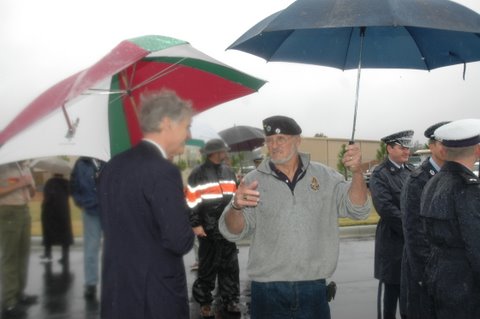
column 417, row 158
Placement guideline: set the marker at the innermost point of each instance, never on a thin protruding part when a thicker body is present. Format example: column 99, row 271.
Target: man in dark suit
column 145, row 218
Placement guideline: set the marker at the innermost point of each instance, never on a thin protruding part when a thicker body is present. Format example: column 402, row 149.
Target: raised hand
column 246, row 195
column 352, row 159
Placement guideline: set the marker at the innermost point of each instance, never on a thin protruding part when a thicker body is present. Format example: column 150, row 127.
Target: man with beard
column 289, row 207
column 416, row 250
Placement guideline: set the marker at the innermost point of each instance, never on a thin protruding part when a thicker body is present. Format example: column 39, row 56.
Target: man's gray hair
column 159, row 105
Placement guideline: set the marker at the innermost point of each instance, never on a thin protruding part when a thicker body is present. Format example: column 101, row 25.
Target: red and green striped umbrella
column 94, row 112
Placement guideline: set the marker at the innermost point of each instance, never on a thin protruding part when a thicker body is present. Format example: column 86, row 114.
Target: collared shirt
column 396, row 165
column 164, row 154
column 10, row 174
column 299, row 173
column 434, row 164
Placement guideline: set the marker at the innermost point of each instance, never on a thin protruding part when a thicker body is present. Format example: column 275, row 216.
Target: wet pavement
column 60, row 289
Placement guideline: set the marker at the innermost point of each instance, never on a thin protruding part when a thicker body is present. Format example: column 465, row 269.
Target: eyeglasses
column 279, row 140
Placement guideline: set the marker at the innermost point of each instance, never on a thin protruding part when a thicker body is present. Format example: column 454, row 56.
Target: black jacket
column 55, row 215
column 146, row 235
column 416, row 250
column 451, row 207
column 416, row 245
column 386, row 185
column 210, row 188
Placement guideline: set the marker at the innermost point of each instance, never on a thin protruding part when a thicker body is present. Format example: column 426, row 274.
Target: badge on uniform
column 314, row 185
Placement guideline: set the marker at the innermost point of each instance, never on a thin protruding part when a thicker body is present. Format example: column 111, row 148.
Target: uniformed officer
column 416, row 250
column 450, row 206
column 386, row 185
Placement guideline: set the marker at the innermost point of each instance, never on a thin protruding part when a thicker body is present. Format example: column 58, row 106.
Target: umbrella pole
column 362, row 36
column 71, row 126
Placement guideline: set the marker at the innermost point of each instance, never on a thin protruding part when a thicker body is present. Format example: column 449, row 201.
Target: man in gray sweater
column 289, row 207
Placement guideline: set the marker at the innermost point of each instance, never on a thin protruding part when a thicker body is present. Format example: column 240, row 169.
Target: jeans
column 92, row 233
column 15, row 224
column 292, row 300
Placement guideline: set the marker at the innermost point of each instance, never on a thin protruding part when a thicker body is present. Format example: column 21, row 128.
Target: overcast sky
column 42, row 42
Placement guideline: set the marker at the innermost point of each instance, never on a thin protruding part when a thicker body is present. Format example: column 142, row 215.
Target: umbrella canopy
column 201, row 133
column 52, row 164
column 348, row 34
column 94, row 112
column 243, row 138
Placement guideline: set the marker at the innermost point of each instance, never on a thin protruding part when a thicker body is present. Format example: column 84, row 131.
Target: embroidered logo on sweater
column 314, row 185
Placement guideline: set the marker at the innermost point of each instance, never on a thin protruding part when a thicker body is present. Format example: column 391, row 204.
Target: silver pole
column 362, row 36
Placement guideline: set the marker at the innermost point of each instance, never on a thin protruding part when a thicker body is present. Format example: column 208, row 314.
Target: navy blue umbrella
column 348, row 34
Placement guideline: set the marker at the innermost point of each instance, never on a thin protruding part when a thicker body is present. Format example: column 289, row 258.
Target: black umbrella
column 243, row 138
column 348, row 34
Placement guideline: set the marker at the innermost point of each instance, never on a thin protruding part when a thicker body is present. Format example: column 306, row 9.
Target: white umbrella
column 94, row 112
column 52, row 164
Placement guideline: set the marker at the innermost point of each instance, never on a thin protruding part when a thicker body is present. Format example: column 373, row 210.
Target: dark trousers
column 390, row 300
column 414, row 298
column 218, row 259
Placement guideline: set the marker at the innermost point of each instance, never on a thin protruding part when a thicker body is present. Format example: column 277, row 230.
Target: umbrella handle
column 72, row 127
column 362, row 36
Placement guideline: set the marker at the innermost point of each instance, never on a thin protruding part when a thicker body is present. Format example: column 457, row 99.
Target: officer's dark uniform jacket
column 210, row 188
column 386, row 185
column 450, row 207
column 416, row 250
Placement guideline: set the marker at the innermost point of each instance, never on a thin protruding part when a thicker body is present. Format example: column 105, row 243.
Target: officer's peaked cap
column 403, row 138
column 429, row 131
column 461, row 133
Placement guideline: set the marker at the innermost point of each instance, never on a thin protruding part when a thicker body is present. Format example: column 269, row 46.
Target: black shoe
column 28, row 300
column 13, row 312
column 63, row 261
column 232, row 307
column 90, row 292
